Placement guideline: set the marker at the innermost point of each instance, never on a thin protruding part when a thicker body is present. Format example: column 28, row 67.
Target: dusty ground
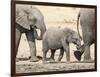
column 54, row 17
column 40, row 67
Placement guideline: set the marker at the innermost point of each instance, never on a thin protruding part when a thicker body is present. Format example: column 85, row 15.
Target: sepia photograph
column 54, row 38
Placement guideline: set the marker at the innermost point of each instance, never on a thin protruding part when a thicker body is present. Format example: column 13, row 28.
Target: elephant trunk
column 42, row 31
column 78, row 43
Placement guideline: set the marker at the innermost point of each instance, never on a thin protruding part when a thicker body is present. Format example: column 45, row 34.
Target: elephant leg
column 61, row 54
column 32, row 45
column 67, row 53
column 52, row 55
column 66, row 49
column 45, row 50
column 18, row 37
column 87, row 55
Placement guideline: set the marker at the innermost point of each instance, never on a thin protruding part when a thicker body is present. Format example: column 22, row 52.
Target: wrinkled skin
column 56, row 38
column 28, row 19
column 87, row 22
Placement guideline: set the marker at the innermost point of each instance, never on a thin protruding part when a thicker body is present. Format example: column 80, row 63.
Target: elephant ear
column 70, row 36
column 21, row 18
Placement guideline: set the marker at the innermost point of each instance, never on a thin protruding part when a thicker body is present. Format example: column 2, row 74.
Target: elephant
column 88, row 26
column 57, row 38
column 28, row 19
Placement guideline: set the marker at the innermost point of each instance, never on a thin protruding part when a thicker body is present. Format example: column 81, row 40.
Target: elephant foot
column 45, row 61
column 88, row 59
column 48, row 60
column 78, row 55
column 51, row 61
column 58, row 61
column 67, row 62
column 34, row 59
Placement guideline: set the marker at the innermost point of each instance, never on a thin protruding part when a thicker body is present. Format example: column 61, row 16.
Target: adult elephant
column 88, row 25
column 29, row 18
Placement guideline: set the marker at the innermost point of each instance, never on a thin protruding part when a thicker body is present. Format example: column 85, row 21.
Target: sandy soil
column 54, row 17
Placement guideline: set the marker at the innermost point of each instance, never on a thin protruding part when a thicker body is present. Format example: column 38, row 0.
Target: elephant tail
column 78, row 26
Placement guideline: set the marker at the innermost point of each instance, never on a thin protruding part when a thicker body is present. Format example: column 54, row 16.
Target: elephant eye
column 29, row 18
column 35, row 26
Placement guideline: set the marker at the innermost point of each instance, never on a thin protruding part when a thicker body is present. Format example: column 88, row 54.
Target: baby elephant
column 56, row 38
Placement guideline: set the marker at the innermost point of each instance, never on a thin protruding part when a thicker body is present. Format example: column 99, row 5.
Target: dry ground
column 54, row 17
